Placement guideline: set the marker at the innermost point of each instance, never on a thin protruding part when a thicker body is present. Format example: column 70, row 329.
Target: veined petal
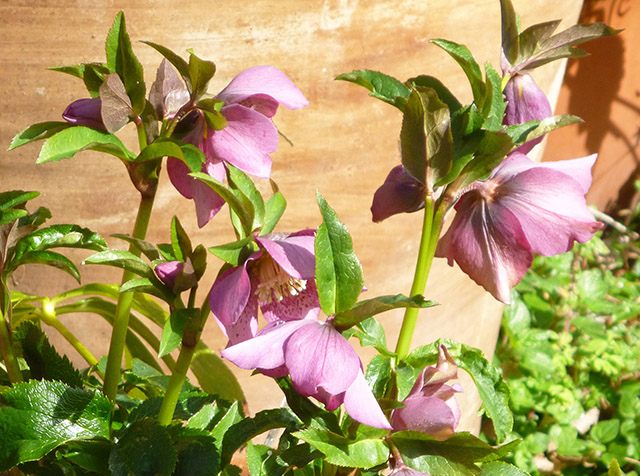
column 362, row 406
column 229, row 294
column 318, row 356
column 268, row 86
column 266, row 349
column 293, row 252
column 246, row 141
column 304, row 304
column 400, row 193
column 488, row 244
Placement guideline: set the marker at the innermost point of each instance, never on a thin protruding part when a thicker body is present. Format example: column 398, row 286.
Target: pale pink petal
column 302, row 305
column 266, row 349
column 362, row 406
column 230, row 294
column 400, row 193
column 318, row 356
column 488, row 244
column 293, row 252
column 245, row 326
column 429, row 415
column 246, row 141
column 266, row 85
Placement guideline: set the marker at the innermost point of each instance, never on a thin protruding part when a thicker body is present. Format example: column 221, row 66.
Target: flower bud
column 85, row 112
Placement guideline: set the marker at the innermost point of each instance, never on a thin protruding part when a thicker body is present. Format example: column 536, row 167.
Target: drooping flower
column 246, row 142
column 320, row 362
column 400, row 193
column 279, row 278
column 525, row 102
column 85, row 112
column 431, row 406
column 523, row 208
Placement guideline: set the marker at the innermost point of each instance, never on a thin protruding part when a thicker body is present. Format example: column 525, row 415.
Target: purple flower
column 400, row 193
column 250, row 100
column 279, row 278
column 431, row 406
column 522, row 208
column 525, row 102
column 403, row 470
column 320, row 362
column 85, row 112
column 177, row 275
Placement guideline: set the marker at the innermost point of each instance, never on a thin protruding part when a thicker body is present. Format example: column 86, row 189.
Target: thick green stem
column 431, row 226
column 10, row 361
column 123, row 308
column 176, row 381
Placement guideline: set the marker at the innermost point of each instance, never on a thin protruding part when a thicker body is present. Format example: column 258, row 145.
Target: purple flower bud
column 525, row 102
column 431, row 406
column 85, row 112
column 400, row 193
column 177, row 275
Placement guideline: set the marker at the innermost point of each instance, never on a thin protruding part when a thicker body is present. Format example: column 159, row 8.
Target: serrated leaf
column 59, row 236
column 37, row 417
column 200, row 73
column 441, row 90
column 122, row 60
column 495, row 105
column 501, row 469
column 68, row 142
column 49, row 258
column 382, row 86
column 465, row 59
column 233, row 253
column 93, row 77
column 239, row 181
column 39, row 131
column 544, row 126
column 172, row 332
column 370, row 332
column 124, row 260
column 197, row 455
column 273, row 209
column 509, row 27
column 143, row 448
column 338, row 271
column 370, row 307
column 342, row 451
column 379, row 375
column 492, row 149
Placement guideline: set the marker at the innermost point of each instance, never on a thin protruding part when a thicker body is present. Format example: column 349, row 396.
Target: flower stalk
column 10, row 361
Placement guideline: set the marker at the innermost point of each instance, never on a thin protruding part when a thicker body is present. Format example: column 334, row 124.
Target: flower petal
column 246, row 141
column 295, row 253
column 318, row 356
column 429, row 415
column 229, row 294
column 168, row 270
column 85, row 112
column 488, row 244
column 265, row 350
column 362, row 406
column 400, row 193
column 302, row 305
column 268, row 85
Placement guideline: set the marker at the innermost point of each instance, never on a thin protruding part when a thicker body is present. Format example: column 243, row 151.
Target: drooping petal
column 303, row 304
column 294, row 252
column 263, row 87
column 245, row 326
column 229, row 294
column 362, row 406
column 319, row 357
column 525, row 102
column 429, row 415
column 400, row 193
column 246, row 141
column 488, row 244
column 85, row 112
column 266, row 349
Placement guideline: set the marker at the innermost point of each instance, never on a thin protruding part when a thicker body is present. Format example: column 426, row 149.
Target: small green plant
column 570, row 352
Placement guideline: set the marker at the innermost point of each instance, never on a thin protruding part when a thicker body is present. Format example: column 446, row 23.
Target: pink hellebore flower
column 406, row 471
column 320, row 361
column 523, row 208
column 250, row 100
column 525, row 102
column 431, row 406
column 400, row 193
column 279, row 278
column 85, row 112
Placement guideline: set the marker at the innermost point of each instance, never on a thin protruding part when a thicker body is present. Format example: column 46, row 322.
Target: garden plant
column 290, row 302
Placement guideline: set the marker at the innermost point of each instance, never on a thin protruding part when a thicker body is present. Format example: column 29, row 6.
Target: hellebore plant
column 399, row 414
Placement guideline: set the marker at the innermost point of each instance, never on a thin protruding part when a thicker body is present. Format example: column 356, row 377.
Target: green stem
column 10, row 361
column 123, row 308
column 431, row 226
column 49, row 317
column 176, row 381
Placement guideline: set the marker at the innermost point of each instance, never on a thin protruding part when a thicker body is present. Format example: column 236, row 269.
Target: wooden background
column 344, row 143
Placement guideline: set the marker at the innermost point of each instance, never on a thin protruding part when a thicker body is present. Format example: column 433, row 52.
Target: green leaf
column 370, row 332
column 176, row 60
column 122, row 60
column 180, row 242
column 11, row 199
column 172, row 332
column 43, row 359
column 68, row 142
column 197, row 456
column 522, row 133
column 124, row 260
column 614, row 469
column 338, row 271
column 239, row 207
column 235, row 252
column 200, row 73
column 92, row 455
column 39, row 131
column 145, row 285
column 308, row 412
column 7, row 216
column 509, row 23
column 59, row 236
column 426, row 142
column 37, row 417
column 379, row 375
column 146, row 248
column 214, row 376
column 49, row 258
column 273, row 209
column 441, row 90
column 342, row 451
column 93, row 77
column 605, row 431
column 143, row 448
column 501, row 469
column 240, row 182
column 493, row 148
column 382, row 86
column 370, row 307
column 495, row 105
column 464, row 58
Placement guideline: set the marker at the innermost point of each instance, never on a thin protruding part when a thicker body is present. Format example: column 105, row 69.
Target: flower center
column 274, row 284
